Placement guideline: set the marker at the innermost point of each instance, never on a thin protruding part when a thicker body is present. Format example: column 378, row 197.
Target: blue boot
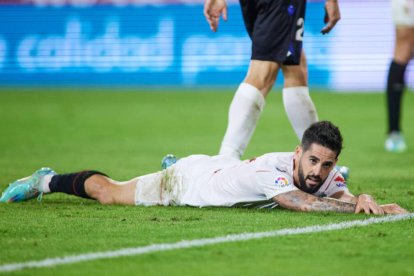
column 344, row 171
column 168, row 160
column 26, row 188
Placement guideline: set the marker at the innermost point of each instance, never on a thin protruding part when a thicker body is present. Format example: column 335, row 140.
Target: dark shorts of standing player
column 275, row 28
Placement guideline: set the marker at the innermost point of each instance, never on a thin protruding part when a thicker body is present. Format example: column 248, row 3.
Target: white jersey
column 201, row 180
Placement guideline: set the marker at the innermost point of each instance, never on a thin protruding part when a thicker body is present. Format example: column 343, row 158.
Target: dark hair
column 323, row 133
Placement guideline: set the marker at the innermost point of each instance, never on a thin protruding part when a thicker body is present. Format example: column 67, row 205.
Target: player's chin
column 312, row 185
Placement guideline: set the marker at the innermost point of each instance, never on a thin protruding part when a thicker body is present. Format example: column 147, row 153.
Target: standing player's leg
column 403, row 13
column 246, row 107
column 298, row 104
column 271, row 25
column 404, row 45
column 249, row 100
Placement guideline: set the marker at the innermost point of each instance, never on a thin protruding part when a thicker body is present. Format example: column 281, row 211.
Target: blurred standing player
column 276, row 30
column 403, row 15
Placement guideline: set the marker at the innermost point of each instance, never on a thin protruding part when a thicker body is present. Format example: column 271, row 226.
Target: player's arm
column 301, row 201
column 298, row 200
column 213, row 9
column 332, row 15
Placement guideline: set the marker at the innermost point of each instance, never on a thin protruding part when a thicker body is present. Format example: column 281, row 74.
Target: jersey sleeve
column 275, row 183
column 333, row 184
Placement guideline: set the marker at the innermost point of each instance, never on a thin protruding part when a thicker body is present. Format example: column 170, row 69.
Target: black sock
column 395, row 87
column 72, row 183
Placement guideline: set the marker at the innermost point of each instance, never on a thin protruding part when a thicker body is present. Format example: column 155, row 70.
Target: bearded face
column 313, row 167
column 309, row 183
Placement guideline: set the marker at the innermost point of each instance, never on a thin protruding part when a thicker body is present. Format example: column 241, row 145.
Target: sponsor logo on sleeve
column 340, row 182
column 281, row 182
column 339, row 179
column 340, row 185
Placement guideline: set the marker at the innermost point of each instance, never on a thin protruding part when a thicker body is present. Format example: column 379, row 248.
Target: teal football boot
column 395, row 142
column 168, row 161
column 26, row 188
column 344, row 171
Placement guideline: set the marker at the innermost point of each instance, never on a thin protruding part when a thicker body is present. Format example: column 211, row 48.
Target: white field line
column 196, row 243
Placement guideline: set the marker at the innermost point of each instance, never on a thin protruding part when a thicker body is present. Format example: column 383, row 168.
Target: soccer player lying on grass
column 304, row 180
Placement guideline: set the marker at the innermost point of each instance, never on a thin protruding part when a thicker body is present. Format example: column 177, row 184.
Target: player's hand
column 368, row 205
column 213, row 9
column 332, row 15
column 393, row 209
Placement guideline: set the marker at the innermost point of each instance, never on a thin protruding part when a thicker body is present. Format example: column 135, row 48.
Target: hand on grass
column 365, row 203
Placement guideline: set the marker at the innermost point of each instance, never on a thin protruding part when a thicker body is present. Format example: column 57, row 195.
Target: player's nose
column 317, row 170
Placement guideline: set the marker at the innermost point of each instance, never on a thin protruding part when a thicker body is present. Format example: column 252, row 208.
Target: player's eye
column 327, row 165
column 313, row 161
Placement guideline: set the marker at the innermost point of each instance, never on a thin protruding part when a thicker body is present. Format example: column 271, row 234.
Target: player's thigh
column 404, row 44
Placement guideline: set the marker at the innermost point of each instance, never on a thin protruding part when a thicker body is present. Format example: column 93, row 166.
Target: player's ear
column 298, row 151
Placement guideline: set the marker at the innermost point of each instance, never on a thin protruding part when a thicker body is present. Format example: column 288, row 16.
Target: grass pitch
column 126, row 134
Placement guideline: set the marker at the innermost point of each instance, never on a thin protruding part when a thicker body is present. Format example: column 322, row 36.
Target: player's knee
column 304, row 70
column 262, row 82
column 262, row 74
column 270, row 79
column 295, row 75
column 268, row 76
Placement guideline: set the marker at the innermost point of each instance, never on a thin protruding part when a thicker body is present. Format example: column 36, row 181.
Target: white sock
column 245, row 110
column 299, row 108
column 45, row 183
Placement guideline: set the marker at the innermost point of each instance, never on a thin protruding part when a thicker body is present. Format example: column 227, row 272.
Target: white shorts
column 180, row 183
column 403, row 12
column 160, row 188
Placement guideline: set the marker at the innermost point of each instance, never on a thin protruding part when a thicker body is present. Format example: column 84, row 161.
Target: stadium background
column 168, row 43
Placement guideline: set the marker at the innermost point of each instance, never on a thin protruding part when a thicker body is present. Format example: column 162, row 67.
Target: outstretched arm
column 342, row 203
column 213, row 9
column 301, row 201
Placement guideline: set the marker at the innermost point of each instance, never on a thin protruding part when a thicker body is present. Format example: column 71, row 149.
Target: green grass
column 125, row 134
